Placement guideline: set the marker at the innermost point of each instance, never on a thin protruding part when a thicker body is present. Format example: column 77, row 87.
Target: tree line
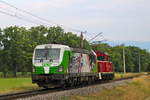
column 17, row 45
column 134, row 56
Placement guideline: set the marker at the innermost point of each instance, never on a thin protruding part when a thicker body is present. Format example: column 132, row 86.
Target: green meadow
column 11, row 85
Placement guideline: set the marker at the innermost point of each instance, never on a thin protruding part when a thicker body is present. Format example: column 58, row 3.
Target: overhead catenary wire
column 24, row 11
column 21, row 16
column 41, row 21
column 38, row 17
column 13, row 15
column 8, row 10
column 95, row 36
column 31, row 21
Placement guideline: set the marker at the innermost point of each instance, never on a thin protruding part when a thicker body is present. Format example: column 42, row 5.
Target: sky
column 119, row 20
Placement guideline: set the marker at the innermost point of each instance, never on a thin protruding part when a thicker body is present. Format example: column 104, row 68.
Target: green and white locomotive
column 60, row 65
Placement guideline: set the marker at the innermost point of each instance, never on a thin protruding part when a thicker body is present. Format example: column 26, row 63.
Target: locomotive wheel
column 45, row 87
column 63, row 84
column 89, row 80
column 71, row 82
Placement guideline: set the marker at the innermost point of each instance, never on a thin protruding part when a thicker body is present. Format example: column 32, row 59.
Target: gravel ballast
column 79, row 91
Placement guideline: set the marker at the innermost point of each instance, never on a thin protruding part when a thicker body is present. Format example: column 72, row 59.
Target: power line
column 31, row 21
column 40, row 18
column 20, row 16
column 12, row 15
column 95, row 36
column 23, row 11
column 6, row 9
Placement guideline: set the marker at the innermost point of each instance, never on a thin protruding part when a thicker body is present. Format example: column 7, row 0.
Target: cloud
column 118, row 19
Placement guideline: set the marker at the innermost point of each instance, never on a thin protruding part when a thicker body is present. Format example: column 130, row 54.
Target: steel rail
column 53, row 90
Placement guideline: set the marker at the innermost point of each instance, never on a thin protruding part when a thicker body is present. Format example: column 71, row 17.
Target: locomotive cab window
column 101, row 58
column 52, row 55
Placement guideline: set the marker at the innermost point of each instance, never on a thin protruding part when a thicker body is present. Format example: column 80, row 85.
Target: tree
column 19, row 44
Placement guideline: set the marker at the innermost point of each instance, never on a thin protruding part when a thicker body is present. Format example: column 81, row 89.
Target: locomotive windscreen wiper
column 47, row 55
column 41, row 60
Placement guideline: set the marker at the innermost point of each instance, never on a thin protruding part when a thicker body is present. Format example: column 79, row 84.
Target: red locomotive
column 105, row 67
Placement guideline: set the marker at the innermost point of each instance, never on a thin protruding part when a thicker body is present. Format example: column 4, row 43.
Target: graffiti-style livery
column 60, row 65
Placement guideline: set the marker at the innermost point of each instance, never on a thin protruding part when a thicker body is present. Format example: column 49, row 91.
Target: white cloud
column 118, row 19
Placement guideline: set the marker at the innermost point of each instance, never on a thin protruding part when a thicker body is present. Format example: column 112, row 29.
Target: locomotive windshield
column 52, row 54
column 101, row 58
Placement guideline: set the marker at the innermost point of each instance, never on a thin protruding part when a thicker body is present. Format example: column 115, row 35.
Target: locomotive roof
column 81, row 50
column 66, row 47
column 101, row 53
column 53, row 46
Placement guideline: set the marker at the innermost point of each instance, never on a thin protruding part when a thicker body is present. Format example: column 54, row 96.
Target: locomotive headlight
column 33, row 69
column 60, row 68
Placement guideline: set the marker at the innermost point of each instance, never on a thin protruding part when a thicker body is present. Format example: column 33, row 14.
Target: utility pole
column 124, row 62
column 81, row 40
column 139, row 63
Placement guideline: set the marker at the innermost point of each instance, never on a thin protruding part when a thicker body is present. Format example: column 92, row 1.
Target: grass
column 122, row 75
column 139, row 89
column 10, row 85
column 19, row 74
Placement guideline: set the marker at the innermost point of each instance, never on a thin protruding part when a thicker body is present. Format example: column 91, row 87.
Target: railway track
column 52, row 90
column 27, row 94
